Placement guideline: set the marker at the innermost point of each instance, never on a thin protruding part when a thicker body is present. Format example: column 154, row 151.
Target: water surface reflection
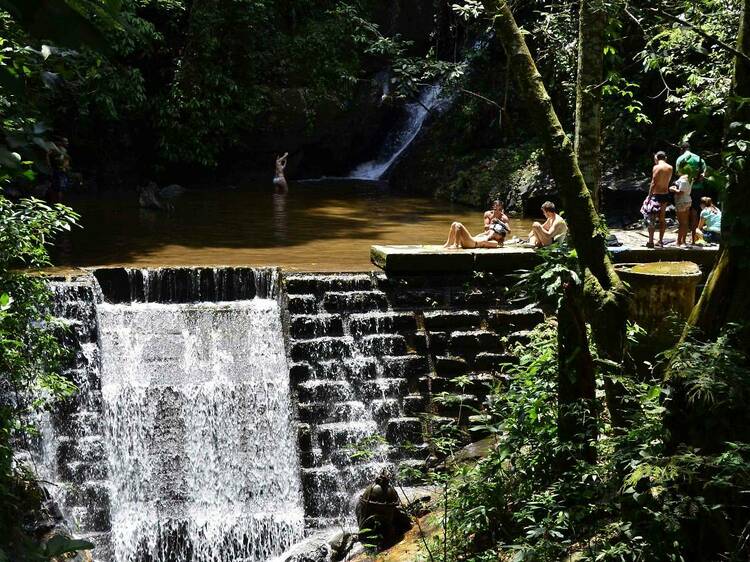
column 320, row 226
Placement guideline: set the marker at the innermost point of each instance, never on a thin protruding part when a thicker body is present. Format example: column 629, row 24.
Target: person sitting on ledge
column 552, row 230
column 495, row 215
column 460, row 237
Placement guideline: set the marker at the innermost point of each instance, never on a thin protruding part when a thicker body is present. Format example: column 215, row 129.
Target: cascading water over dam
column 200, row 447
column 201, row 456
column 223, row 413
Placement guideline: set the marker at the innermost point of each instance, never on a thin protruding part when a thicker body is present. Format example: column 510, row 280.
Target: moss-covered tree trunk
column 592, row 23
column 726, row 297
column 605, row 295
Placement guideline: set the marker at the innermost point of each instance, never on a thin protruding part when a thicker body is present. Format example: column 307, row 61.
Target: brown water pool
column 316, row 226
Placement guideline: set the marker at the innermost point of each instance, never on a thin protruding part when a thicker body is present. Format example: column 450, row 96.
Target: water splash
column 203, row 463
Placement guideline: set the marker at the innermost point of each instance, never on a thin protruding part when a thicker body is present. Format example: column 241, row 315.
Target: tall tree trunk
column 726, row 297
column 606, row 296
column 592, row 23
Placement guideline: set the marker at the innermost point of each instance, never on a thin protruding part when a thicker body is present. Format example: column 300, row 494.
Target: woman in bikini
column 460, row 237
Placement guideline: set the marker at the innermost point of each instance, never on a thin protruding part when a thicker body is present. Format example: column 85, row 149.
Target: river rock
column 171, row 191
column 314, row 549
column 149, row 198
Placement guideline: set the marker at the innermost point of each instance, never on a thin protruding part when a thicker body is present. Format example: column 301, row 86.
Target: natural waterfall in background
column 401, row 137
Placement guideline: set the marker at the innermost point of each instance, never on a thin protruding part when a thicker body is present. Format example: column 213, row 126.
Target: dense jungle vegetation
column 596, row 458
column 180, row 87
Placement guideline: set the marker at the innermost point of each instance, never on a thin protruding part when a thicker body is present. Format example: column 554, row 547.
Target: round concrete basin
column 661, row 291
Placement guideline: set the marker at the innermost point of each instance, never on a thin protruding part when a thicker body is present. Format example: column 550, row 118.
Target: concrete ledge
column 435, row 259
column 704, row 257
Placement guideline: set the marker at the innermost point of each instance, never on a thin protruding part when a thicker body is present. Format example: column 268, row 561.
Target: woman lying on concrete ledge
column 460, row 237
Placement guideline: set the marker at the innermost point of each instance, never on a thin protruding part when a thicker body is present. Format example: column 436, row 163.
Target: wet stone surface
column 375, row 358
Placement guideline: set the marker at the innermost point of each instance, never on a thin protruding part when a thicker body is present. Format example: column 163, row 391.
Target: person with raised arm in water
column 661, row 176
column 279, row 179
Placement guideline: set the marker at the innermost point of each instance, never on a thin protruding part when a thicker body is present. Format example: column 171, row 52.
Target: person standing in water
column 660, row 178
column 279, row 179
column 58, row 160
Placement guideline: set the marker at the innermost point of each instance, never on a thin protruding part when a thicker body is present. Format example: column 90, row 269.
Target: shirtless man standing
column 659, row 190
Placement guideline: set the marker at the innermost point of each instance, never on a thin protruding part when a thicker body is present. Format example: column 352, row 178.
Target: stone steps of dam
column 377, row 365
column 374, row 361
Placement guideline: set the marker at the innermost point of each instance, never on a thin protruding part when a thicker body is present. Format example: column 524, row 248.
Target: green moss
column 505, row 173
column 458, row 159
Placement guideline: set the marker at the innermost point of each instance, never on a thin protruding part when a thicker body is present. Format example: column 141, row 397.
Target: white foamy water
column 399, row 139
column 200, row 443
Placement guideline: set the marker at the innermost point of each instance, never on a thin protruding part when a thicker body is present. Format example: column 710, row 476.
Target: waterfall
column 400, row 138
column 202, row 458
column 180, row 445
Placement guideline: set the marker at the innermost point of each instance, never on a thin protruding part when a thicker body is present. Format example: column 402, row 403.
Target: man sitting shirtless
column 553, row 229
column 496, row 215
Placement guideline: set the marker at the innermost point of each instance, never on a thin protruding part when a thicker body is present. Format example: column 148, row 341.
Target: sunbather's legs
column 459, row 237
column 463, row 237
column 451, row 242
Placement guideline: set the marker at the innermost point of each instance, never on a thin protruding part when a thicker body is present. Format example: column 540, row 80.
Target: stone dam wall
column 376, row 365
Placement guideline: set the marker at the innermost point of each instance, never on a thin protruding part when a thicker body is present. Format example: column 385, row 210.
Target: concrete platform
column 435, row 259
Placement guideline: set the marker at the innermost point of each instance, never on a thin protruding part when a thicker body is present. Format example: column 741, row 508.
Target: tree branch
column 702, row 33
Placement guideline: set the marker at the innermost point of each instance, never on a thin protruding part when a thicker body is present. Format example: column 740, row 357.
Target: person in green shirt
column 690, row 165
column 694, row 167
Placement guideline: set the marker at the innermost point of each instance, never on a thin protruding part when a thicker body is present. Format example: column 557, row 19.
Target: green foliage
column 715, row 374
column 559, row 267
column 696, row 73
column 30, row 348
column 249, row 58
column 639, row 501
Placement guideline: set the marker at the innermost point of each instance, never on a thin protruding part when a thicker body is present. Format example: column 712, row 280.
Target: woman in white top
column 682, row 203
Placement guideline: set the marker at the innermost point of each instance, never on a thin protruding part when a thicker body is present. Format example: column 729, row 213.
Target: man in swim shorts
column 660, row 178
